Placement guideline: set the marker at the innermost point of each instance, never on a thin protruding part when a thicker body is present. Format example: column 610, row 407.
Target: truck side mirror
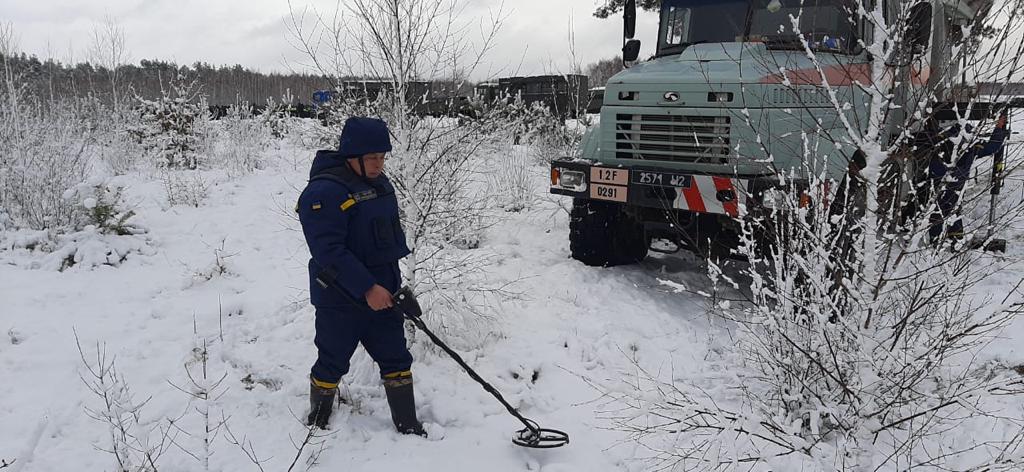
column 629, row 19
column 631, row 50
column 919, row 28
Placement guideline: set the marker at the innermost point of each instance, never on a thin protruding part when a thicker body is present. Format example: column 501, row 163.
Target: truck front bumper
column 727, row 195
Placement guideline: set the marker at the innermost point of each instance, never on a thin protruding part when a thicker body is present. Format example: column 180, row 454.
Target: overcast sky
column 253, row 33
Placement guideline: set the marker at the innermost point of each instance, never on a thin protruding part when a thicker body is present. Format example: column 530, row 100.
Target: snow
column 234, row 271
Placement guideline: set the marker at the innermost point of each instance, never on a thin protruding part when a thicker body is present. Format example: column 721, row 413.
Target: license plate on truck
column 609, row 184
column 662, row 179
column 609, row 192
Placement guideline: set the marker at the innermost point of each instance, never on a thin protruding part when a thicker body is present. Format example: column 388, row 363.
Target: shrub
column 173, row 125
column 42, row 155
column 100, row 205
column 244, row 137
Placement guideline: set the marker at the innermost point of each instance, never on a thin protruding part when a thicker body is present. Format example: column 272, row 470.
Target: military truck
column 690, row 139
column 425, row 98
column 564, row 95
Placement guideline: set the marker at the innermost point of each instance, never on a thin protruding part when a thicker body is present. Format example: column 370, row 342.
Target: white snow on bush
column 81, row 250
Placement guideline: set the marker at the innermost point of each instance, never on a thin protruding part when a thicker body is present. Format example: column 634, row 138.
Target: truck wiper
column 783, row 41
column 792, row 41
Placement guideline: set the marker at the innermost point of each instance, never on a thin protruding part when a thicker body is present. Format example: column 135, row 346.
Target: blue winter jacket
column 960, row 170
column 355, row 240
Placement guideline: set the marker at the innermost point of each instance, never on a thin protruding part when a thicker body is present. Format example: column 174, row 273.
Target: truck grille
column 673, row 138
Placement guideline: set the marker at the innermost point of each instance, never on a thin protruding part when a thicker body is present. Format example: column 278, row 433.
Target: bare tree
column 9, row 116
column 203, row 390
column 135, row 445
column 109, row 50
column 397, row 42
column 379, row 53
column 8, row 47
column 599, row 72
column 42, row 150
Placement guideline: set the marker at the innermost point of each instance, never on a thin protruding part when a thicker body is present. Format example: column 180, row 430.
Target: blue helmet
column 362, row 135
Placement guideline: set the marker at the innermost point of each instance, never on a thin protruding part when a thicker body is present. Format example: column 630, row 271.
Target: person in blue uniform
column 350, row 220
column 949, row 179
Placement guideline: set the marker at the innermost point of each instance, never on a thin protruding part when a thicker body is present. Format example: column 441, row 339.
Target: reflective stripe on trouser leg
column 397, row 379
column 322, row 384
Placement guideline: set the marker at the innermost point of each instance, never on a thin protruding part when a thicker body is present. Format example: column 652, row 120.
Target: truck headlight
column 568, row 179
column 771, row 200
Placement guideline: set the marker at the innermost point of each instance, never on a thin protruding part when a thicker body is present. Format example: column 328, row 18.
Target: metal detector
column 532, row 435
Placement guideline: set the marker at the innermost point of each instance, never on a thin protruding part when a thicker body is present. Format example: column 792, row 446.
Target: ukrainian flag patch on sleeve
column 317, row 206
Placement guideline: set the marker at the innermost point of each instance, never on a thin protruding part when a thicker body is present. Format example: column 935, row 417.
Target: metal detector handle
column 407, row 304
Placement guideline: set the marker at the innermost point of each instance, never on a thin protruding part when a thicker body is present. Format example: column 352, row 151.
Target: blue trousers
column 949, row 182
column 340, row 330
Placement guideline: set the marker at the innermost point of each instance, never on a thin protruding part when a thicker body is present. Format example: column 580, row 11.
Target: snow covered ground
column 232, row 273
column 570, row 327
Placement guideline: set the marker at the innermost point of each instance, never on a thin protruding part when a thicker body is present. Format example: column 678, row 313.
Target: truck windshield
column 688, row 22
column 826, row 25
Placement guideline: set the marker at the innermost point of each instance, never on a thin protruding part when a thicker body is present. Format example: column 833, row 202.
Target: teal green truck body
column 731, row 105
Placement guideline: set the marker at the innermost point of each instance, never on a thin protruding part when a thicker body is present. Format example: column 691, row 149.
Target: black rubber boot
column 402, row 401
column 321, row 401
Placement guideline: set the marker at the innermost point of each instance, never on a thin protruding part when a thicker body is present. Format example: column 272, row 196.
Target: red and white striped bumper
column 711, row 194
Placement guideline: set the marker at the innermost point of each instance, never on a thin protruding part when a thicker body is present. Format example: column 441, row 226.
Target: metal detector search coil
column 539, row 438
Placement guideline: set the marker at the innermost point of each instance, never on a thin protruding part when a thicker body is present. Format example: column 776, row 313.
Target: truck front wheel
column 602, row 234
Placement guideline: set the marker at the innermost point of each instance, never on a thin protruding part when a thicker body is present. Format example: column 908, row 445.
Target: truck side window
column 677, row 25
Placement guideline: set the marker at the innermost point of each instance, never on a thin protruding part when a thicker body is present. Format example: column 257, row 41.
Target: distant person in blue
column 949, row 177
column 350, row 219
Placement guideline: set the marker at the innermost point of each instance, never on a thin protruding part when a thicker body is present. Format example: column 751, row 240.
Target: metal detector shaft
column 998, row 165
column 472, row 374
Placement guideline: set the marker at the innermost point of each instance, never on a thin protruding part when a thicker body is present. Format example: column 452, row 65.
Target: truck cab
column 739, row 97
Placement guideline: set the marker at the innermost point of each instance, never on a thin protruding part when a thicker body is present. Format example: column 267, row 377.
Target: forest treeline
column 222, row 85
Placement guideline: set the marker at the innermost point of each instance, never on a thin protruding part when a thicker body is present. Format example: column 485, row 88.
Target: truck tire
column 602, row 235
